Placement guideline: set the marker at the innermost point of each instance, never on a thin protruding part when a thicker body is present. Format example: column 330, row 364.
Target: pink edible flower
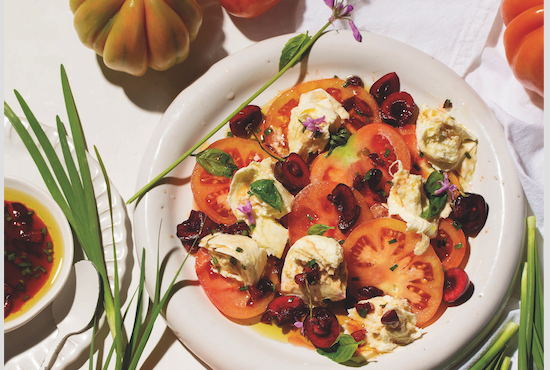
column 246, row 209
column 339, row 11
column 446, row 186
column 312, row 124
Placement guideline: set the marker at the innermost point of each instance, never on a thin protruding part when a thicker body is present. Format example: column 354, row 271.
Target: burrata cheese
column 381, row 338
column 329, row 256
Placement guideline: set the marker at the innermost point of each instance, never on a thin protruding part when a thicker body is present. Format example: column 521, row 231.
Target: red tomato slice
column 450, row 244
column 380, row 253
column 347, row 161
column 420, row 165
column 311, row 207
column 225, row 294
column 210, row 191
column 274, row 129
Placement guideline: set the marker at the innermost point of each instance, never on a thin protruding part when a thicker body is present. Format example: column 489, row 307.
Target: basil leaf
column 318, row 229
column 216, row 162
column 292, row 47
column 342, row 350
column 267, row 192
column 436, row 202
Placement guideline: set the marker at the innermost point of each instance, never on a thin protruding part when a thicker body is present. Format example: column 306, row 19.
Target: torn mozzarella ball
column 236, row 256
column 328, row 254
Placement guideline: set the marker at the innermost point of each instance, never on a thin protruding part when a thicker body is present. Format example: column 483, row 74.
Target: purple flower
column 356, row 33
column 313, row 124
column 446, row 186
column 339, row 11
column 299, row 325
column 246, row 209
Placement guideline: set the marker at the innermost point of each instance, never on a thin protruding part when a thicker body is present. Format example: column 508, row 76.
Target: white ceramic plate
column 495, row 253
column 26, row 347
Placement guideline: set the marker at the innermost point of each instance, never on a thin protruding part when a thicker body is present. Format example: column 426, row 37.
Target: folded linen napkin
column 453, row 32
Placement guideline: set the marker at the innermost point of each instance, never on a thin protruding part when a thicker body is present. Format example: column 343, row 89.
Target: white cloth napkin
column 467, row 37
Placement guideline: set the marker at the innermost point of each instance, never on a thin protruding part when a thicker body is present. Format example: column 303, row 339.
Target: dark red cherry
column 285, row 309
column 246, row 121
column 385, row 86
column 368, row 292
column 344, row 200
column 397, row 108
column 354, row 81
column 471, row 211
column 456, row 284
column 293, row 172
column 322, row 328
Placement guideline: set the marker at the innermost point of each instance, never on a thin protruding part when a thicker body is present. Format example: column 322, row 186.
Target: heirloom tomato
column 247, row 8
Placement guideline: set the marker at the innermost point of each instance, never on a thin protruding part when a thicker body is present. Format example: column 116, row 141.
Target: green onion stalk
column 74, row 193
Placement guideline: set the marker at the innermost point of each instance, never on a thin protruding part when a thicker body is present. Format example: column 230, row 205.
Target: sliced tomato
column 210, row 191
column 311, row 207
column 226, row 294
column 275, row 127
column 380, row 253
column 450, row 244
column 420, row 165
column 356, row 158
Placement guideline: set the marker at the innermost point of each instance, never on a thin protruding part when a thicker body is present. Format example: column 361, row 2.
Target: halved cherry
column 385, row 86
column 284, row 309
column 397, row 108
column 322, row 328
column 344, row 200
column 471, row 211
column 293, row 172
column 456, row 284
column 246, row 121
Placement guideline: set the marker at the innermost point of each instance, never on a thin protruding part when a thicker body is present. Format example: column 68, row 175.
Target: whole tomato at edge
column 247, row 8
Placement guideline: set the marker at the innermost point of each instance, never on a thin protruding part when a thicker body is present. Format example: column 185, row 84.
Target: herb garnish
column 436, row 201
column 319, row 229
column 216, row 162
column 266, row 190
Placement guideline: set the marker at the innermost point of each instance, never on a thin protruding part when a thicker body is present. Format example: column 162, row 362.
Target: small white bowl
column 16, row 189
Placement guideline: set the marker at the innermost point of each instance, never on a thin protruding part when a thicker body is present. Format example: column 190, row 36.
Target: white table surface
column 119, row 112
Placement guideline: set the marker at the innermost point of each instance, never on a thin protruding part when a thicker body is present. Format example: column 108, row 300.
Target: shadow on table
column 154, row 91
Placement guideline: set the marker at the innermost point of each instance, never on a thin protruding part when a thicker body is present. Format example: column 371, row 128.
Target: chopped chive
column 354, row 279
column 341, row 241
column 11, row 256
column 367, row 176
column 30, row 213
column 20, row 286
column 416, row 167
column 26, row 271
column 458, row 246
column 389, row 182
column 233, row 261
column 447, row 104
column 44, row 230
column 229, row 134
column 383, row 193
column 239, row 249
column 7, row 217
column 26, row 297
column 327, row 301
column 444, row 242
column 268, row 131
column 214, row 260
column 50, row 259
column 393, row 267
column 309, row 217
column 392, row 241
column 274, row 287
column 457, row 225
column 49, row 245
column 311, row 263
column 421, row 154
column 468, row 155
column 362, row 312
column 243, row 266
column 387, row 153
column 24, row 264
column 243, row 288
